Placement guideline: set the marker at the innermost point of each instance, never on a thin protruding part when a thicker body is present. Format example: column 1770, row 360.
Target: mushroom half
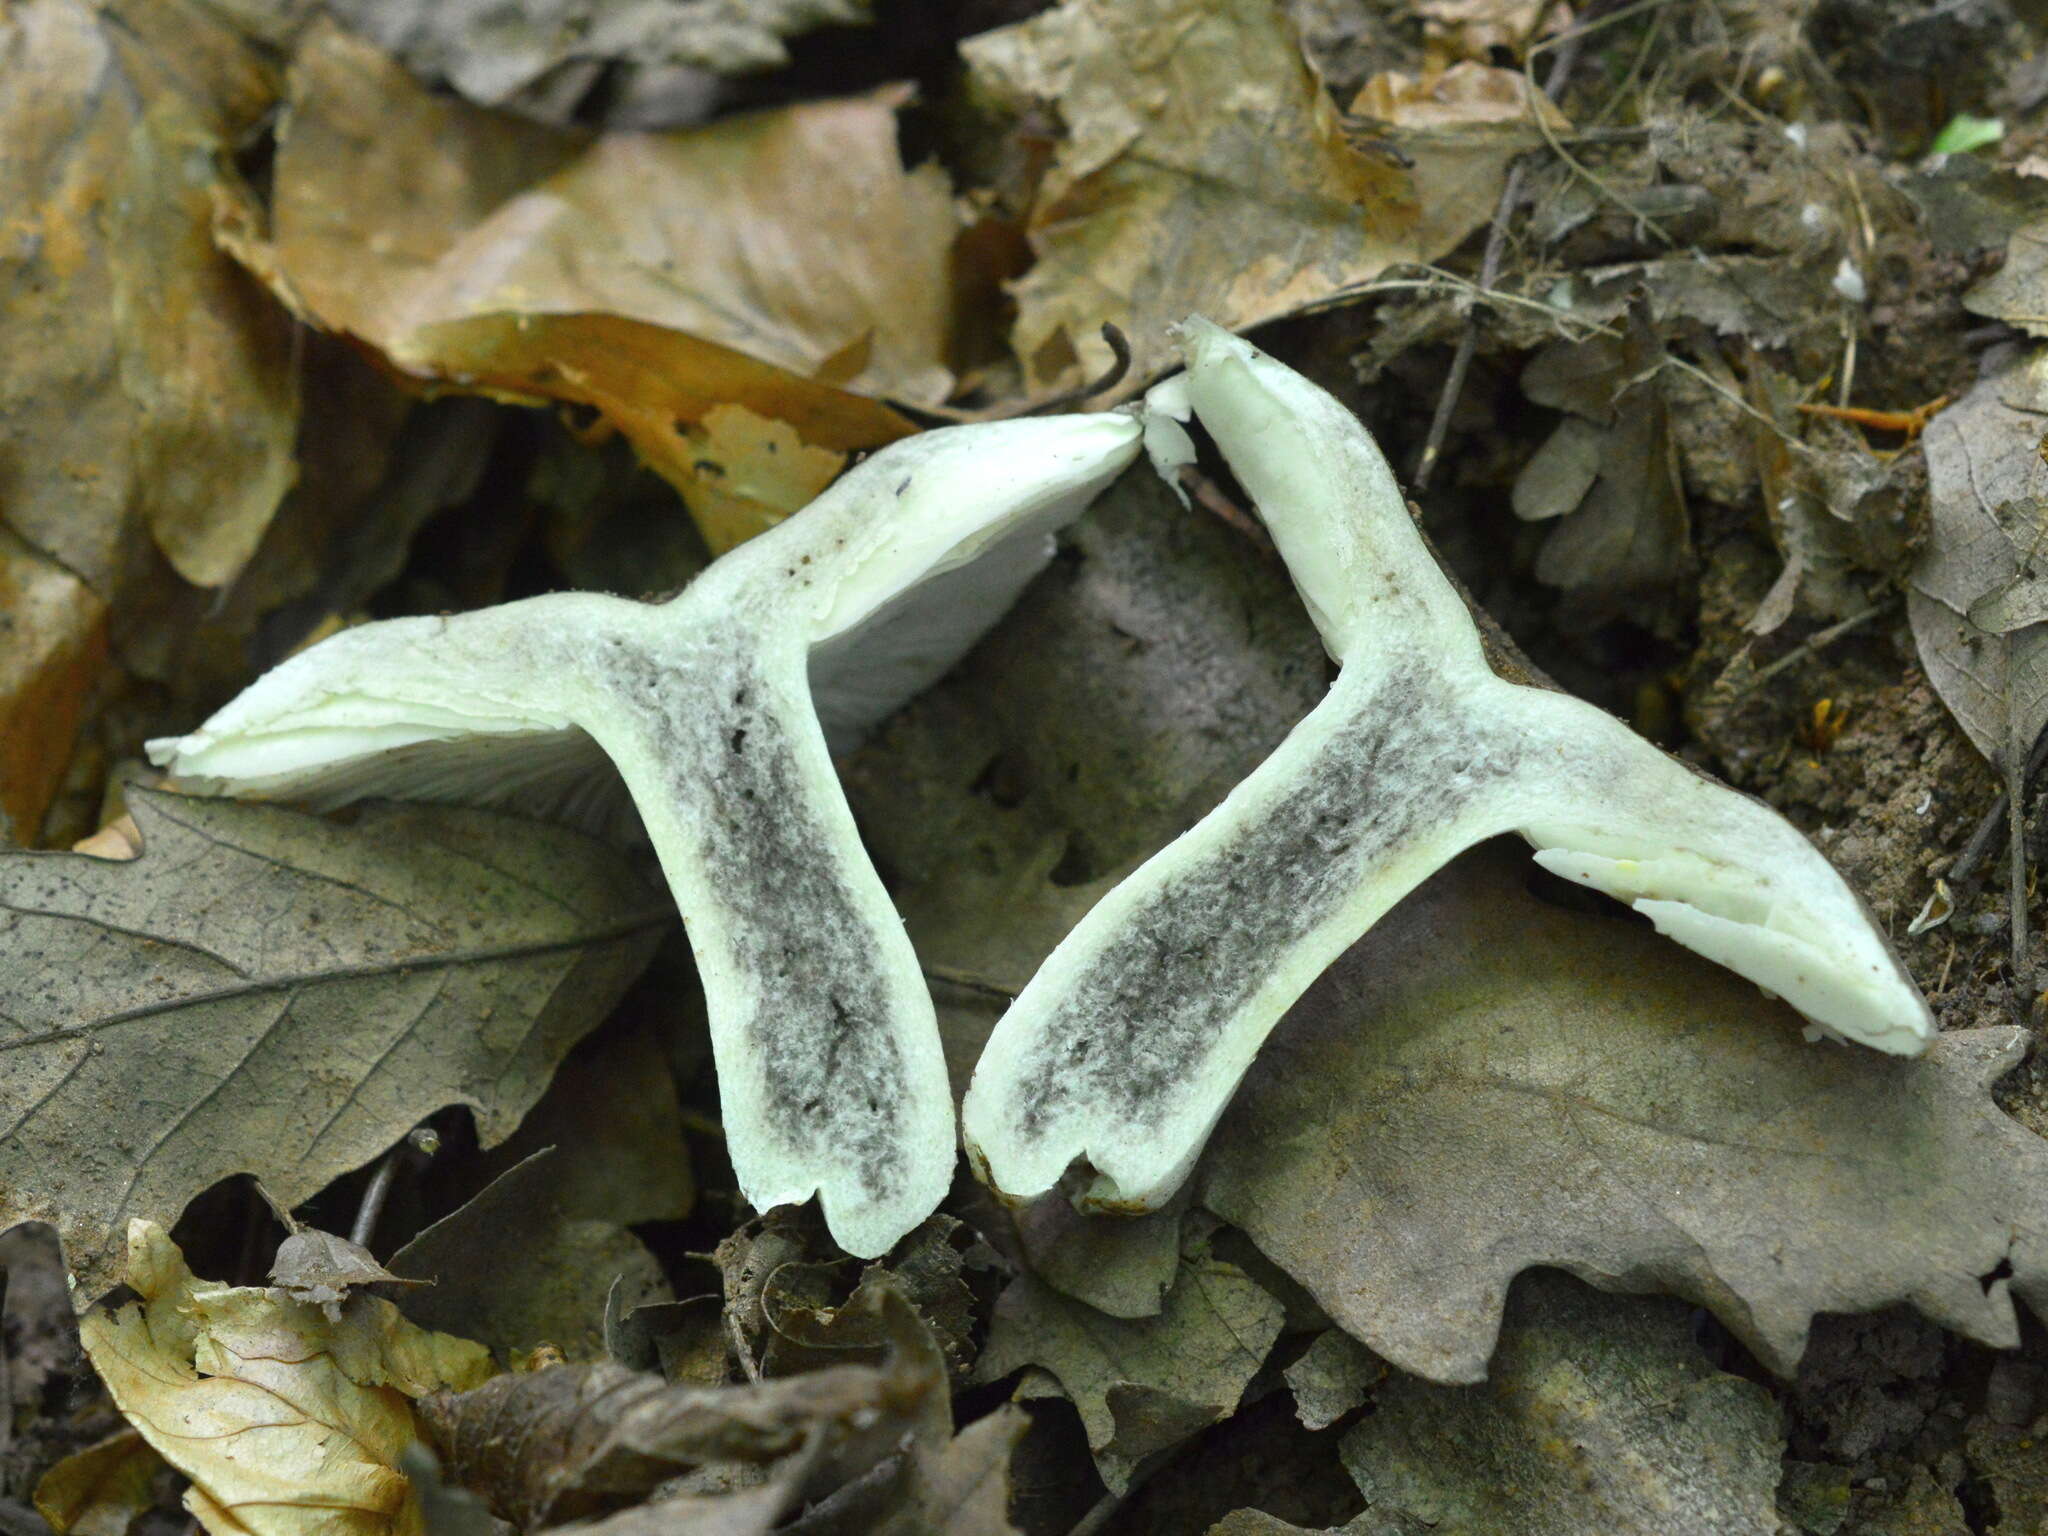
column 1123, row 1050
column 709, row 705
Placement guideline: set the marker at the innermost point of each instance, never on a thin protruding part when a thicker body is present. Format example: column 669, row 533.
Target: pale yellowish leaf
column 288, row 1424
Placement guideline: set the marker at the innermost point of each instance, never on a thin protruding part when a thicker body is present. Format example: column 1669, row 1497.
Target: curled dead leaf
column 288, row 1423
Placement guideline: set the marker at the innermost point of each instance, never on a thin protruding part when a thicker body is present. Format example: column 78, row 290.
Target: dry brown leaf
column 1141, row 1385
column 1489, row 1082
column 750, row 473
column 53, row 643
column 149, row 394
column 783, row 262
column 101, row 1490
column 1472, row 29
column 575, row 1442
column 1459, row 129
column 288, row 1424
column 1204, row 168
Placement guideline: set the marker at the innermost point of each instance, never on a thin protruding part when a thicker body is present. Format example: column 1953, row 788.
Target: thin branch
column 1817, row 641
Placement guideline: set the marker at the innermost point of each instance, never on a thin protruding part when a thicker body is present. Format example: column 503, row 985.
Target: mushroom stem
column 1125, row 1047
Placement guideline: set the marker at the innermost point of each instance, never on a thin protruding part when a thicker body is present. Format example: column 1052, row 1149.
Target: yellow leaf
column 748, row 473
column 785, row 261
column 100, row 1490
column 150, row 392
column 288, row 1424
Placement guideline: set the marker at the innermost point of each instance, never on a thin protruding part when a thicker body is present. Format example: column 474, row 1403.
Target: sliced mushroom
column 827, row 1049
column 1123, row 1050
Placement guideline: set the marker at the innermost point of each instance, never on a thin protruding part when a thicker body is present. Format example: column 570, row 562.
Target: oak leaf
column 265, row 992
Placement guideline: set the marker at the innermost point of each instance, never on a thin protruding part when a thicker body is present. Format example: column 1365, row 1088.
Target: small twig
column 1120, row 364
column 1489, row 269
column 1987, row 831
column 423, row 1141
column 374, row 1197
column 1211, row 496
column 968, row 981
column 1814, row 642
column 2016, row 867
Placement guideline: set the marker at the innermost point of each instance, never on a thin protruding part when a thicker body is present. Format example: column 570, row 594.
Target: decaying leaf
column 1835, row 507
column 963, row 1486
column 101, row 1490
column 1203, row 169
column 322, row 1269
column 1458, row 129
column 575, row 1442
column 1608, row 472
column 493, row 52
column 1332, row 1378
column 1122, row 1266
column 1142, row 1385
column 53, row 642
column 795, row 1303
column 286, row 1422
column 532, row 1258
column 2017, row 292
column 149, row 393
column 1976, row 602
column 1597, row 1416
column 265, row 991
column 1488, row 1083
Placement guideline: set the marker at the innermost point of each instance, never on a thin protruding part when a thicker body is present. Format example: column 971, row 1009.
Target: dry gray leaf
column 1608, row 472
column 491, row 51
column 1974, row 590
column 1332, row 1377
column 517, row 1267
column 1141, row 1385
column 1120, row 1265
column 963, row 1487
column 574, row 1442
column 321, row 1268
column 266, row 992
column 2017, row 292
column 1488, row 1083
column 533, row 1256
column 1598, row 1416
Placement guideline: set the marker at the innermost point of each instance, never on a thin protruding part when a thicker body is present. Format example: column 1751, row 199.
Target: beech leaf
column 288, row 1422
column 1487, row 1082
column 266, row 992
column 118, row 428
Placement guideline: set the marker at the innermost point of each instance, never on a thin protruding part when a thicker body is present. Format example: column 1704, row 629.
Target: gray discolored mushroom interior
column 1125, row 1046
column 1202, row 936
column 828, row 1070
column 831, row 1074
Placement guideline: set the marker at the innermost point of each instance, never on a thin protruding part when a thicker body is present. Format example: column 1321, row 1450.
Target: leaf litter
column 1757, row 249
